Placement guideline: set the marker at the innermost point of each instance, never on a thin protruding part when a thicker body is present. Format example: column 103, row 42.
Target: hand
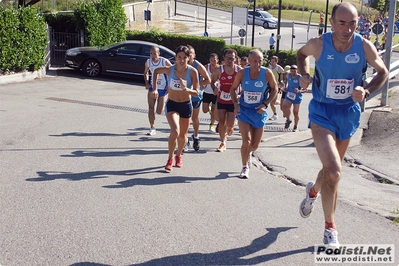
column 358, row 94
column 154, row 94
column 183, row 84
column 305, row 81
column 236, row 109
column 261, row 108
column 297, row 90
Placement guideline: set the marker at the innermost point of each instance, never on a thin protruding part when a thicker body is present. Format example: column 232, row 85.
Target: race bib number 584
column 339, row 89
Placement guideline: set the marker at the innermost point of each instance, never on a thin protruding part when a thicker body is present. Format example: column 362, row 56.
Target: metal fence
column 60, row 42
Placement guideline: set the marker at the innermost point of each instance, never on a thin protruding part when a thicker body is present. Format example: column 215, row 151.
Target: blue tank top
column 174, row 82
column 292, row 84
column 253, row 91
column 336, row 73
column 199, row 98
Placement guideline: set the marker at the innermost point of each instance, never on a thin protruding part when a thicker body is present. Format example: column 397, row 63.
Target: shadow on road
column 235, row 256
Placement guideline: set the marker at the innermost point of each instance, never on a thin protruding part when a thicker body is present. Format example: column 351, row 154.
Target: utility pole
column 278, row 26
column 253, row 25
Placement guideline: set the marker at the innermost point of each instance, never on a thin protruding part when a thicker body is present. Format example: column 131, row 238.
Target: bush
column 62, row 22
column 23, row 39
column 103, row 22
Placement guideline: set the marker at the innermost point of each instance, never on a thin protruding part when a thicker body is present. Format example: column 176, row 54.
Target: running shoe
column 287, row 123
column 187, row 146
column 196, row 143
column 152, row 131
column 331, row 238
column 222, row 147
column 212, row 128
column 169, row 165
column 306, row 207
column 274, row 117
column 244, row 172
column 295, row 129
column 179, row 161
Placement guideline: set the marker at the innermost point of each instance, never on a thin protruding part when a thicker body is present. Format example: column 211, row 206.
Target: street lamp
column 206, row 18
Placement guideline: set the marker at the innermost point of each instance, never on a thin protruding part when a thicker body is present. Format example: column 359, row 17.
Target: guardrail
column 393, row 71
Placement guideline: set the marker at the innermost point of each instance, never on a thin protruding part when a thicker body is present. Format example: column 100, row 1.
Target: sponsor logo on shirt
column 259, row 84
column 352, row 58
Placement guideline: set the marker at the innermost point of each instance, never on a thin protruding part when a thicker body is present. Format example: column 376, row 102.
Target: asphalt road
column 82, row 184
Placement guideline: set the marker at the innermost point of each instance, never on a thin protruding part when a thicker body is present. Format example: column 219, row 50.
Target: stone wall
column 160, row 10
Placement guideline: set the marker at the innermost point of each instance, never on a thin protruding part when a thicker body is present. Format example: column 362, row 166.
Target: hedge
column 23, row 39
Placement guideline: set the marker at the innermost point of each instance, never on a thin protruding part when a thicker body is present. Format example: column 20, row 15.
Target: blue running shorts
column 161, row 93
column 343, row 120
column 251, row 116
column 184, row 109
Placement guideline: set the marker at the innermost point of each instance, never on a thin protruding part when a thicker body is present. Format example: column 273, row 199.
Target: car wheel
column 265, row 25
column 91, row 68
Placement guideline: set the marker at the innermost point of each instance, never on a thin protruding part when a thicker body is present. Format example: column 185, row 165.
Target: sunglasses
column 229, row 58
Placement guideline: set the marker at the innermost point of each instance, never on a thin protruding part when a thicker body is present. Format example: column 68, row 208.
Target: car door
column 123, row 59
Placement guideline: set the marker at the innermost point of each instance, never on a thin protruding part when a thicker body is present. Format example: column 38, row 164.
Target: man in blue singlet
column 293, row 97
column 259, row 88
column 204, row 80
column 341, row 59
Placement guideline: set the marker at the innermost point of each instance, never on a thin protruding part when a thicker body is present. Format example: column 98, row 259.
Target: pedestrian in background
column 272, row 42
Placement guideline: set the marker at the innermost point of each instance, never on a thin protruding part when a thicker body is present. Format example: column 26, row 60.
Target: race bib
column 161, row 83
column 252, row 97
column 225, row 96
column 175, row 85
column 291, row 95
column 339, row 89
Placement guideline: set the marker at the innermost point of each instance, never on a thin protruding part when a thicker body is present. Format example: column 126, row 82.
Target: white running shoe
column 152, row 131
column 244, row 172
column 274, row 117
column 331, row 238
column 306, row 207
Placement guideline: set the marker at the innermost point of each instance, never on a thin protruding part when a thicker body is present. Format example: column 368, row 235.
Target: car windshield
column 265, row 14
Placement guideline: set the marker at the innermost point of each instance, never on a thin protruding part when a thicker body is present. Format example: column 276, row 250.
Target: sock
column 328, row 225
column 312, row 193
column 196, row 137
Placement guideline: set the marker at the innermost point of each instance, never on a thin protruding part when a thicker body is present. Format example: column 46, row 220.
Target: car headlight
column 72, row 52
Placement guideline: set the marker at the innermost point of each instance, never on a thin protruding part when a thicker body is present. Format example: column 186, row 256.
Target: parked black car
column 123, row 58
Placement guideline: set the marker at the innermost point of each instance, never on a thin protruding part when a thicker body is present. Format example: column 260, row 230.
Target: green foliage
column 23, row 39
column 103, row 21
column 62, row 22
column 285, row 57
column 203, row 46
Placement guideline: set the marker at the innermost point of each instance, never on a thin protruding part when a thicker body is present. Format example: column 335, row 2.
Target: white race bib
column 161, row 82
column 175, row 85
column 251, row 97
column 339, row 89
column 225, row 96
column 291, row 95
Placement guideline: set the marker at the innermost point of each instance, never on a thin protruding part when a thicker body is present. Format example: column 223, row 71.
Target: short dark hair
column 184, row 49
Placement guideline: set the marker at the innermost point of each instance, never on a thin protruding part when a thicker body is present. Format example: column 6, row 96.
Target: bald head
column 344, row 7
